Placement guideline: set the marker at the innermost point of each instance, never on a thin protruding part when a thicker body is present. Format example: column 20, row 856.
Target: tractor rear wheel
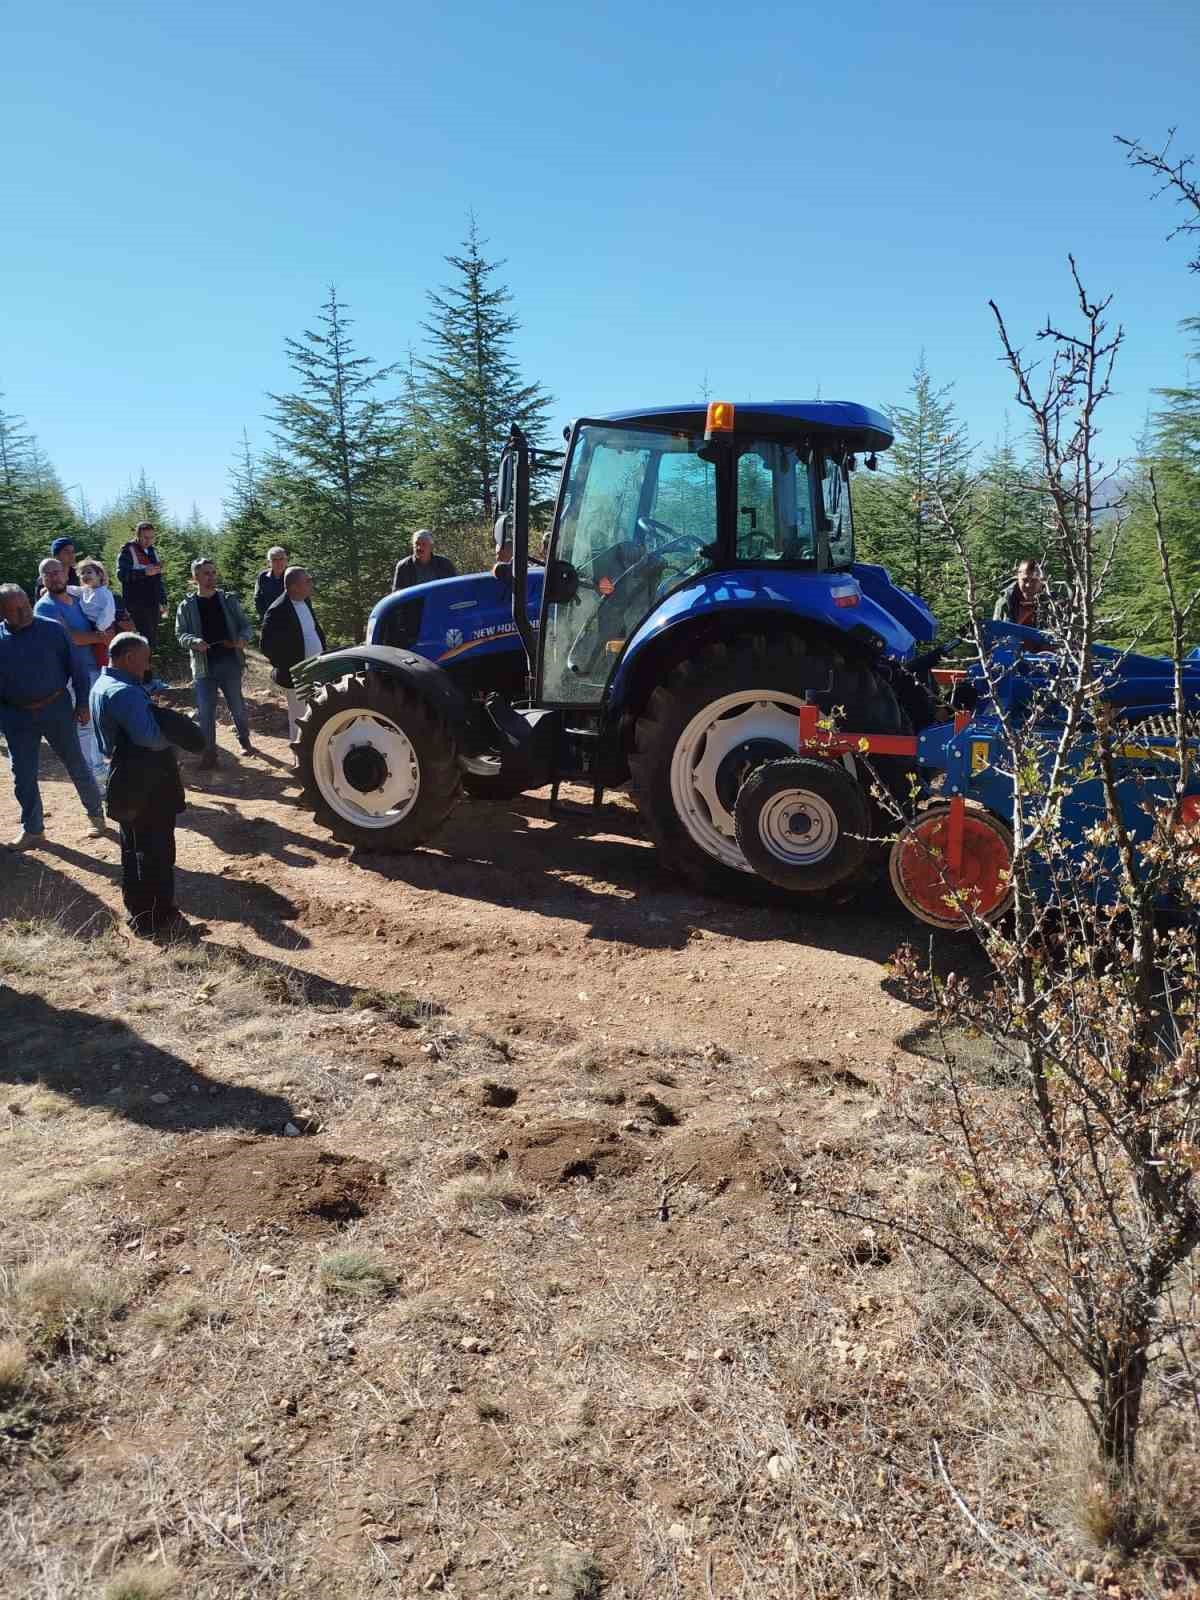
column 378, row 763
column 717, row 718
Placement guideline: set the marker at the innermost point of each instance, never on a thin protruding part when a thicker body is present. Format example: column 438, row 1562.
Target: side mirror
column 504, row 482
column 503, row 530
column 561, row 583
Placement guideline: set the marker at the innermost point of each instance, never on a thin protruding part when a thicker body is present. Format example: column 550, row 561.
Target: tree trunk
column 1120, row 1388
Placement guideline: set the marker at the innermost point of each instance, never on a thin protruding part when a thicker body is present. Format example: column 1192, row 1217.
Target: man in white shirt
column 291, row 634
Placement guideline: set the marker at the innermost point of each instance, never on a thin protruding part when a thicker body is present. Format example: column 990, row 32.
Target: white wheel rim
column 482, row 766
column 798, row 827
column 702, row 746
column 394, row 799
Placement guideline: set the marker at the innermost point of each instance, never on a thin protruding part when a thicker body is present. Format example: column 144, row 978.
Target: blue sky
column 784, row 198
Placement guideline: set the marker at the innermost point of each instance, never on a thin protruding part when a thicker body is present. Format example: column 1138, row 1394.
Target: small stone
column 372, row 1078
column 721, row 1354
column 430, row 1050
column 473, row 1346
column 160, row 1099
column 780, row 1467
column 678, row 1532
column 291, row 1131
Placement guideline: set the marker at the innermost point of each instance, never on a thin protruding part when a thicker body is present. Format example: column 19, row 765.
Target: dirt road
column 556, row 923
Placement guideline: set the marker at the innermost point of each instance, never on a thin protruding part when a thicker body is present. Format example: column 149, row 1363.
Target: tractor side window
column 835, row 496
column 774, row 504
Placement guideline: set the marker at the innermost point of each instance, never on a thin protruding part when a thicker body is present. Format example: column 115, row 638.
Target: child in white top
column 96, row 602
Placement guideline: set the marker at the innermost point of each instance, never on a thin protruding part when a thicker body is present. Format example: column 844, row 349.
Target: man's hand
column 162, row 611
column 201, row 645
column 109, row 633
column 83, row 716
column 88, row 638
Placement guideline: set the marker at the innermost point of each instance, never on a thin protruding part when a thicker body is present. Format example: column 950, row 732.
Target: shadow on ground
column 99, row 1061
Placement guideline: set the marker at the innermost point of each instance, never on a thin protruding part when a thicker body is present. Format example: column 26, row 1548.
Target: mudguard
column 835, row 600
column 429, row 679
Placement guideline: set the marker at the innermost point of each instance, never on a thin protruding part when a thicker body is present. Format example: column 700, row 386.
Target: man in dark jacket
column 142, row 587
column 422, row 566
column 269, row 585
column 145, row 789
column 291, row 634
column 1027, row 600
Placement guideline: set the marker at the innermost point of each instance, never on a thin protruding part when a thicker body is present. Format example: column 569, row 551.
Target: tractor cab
column 650, row 501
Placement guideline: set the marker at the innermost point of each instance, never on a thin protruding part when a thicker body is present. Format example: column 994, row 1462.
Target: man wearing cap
column 422, row 566
column 269, row 584
column 142, row 587
column 37, row 668
column 62, row 550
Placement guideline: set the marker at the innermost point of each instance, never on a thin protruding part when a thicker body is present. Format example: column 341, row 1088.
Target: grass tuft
column 487, row 1195
column 14, row 1369
column 145, row 1581
column 61, row 1307
column 182, row 1314
column 354, row 1272
column 572, row 1574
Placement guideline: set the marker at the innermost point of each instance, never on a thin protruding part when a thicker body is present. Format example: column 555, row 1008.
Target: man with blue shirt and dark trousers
column 37, row 668
column 145, row 789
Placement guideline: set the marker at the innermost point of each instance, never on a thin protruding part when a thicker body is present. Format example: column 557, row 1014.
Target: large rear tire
column 379, row 765
column 715, row 720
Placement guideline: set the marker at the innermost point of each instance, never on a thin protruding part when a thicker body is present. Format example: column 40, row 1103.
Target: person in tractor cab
column 1027, row 601
column 422, row 566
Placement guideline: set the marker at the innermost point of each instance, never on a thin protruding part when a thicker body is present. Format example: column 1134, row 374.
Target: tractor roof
column 857, row 426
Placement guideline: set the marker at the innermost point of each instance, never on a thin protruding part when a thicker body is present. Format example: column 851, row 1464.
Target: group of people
column 75, row 670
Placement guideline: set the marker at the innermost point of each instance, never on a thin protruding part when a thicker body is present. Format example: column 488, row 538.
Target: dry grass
column 574, row 1398
column 60, row 1307
column 490, row 1194
column 144, row 1581
column 355, row 1274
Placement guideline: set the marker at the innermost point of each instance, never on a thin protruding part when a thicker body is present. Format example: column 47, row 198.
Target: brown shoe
column 26, row 840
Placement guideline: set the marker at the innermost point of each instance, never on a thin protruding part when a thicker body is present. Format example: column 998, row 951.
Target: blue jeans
column 227, row 677
column 25, row 731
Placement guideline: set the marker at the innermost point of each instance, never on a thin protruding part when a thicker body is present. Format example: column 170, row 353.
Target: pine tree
column 1006, row 522
column 1174, row 455
column 249, row 528
column 895, row 511
column 33, row 507
column 333, row 469
column 473, row 390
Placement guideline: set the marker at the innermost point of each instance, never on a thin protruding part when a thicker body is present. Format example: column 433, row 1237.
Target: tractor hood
column 452, row 617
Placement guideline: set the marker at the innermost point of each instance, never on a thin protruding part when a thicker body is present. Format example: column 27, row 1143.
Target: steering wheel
column 671, row 538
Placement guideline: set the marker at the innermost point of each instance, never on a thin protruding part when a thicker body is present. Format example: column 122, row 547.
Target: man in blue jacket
column 37, row 667
column 146, row 777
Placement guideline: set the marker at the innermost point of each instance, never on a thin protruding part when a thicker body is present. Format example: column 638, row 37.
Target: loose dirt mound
column 555, row 1152
column 748, row 1158
column 255, row 1185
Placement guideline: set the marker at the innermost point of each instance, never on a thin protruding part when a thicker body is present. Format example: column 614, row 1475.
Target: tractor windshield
column 639, row 512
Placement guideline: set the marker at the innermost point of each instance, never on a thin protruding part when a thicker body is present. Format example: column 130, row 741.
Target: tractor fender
column 428, row 679
column 734, row 601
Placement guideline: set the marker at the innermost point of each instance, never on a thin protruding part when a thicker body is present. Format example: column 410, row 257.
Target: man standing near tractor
column 422, row 566
column 213, row 626
column 1026, row 601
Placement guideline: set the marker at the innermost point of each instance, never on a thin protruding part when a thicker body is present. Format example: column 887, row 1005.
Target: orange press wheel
column 952, row 861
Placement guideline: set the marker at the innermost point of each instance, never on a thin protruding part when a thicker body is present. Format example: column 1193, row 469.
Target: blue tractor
column 699, row 587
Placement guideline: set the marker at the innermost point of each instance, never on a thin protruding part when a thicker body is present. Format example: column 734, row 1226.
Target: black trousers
column 145, row 621
column 148, row 869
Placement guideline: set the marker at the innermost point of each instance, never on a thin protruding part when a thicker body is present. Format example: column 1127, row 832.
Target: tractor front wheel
column 378, row 764
column 718, row 718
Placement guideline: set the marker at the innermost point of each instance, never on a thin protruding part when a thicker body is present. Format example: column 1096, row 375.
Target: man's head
column 422, row 545
column 204, row 573
column 278, row 557
column 144, row 533
column 1029, row 578
column 53, row 575
column 64, row 550
column 15, row 609
column 297, row 583
column 130, row 652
